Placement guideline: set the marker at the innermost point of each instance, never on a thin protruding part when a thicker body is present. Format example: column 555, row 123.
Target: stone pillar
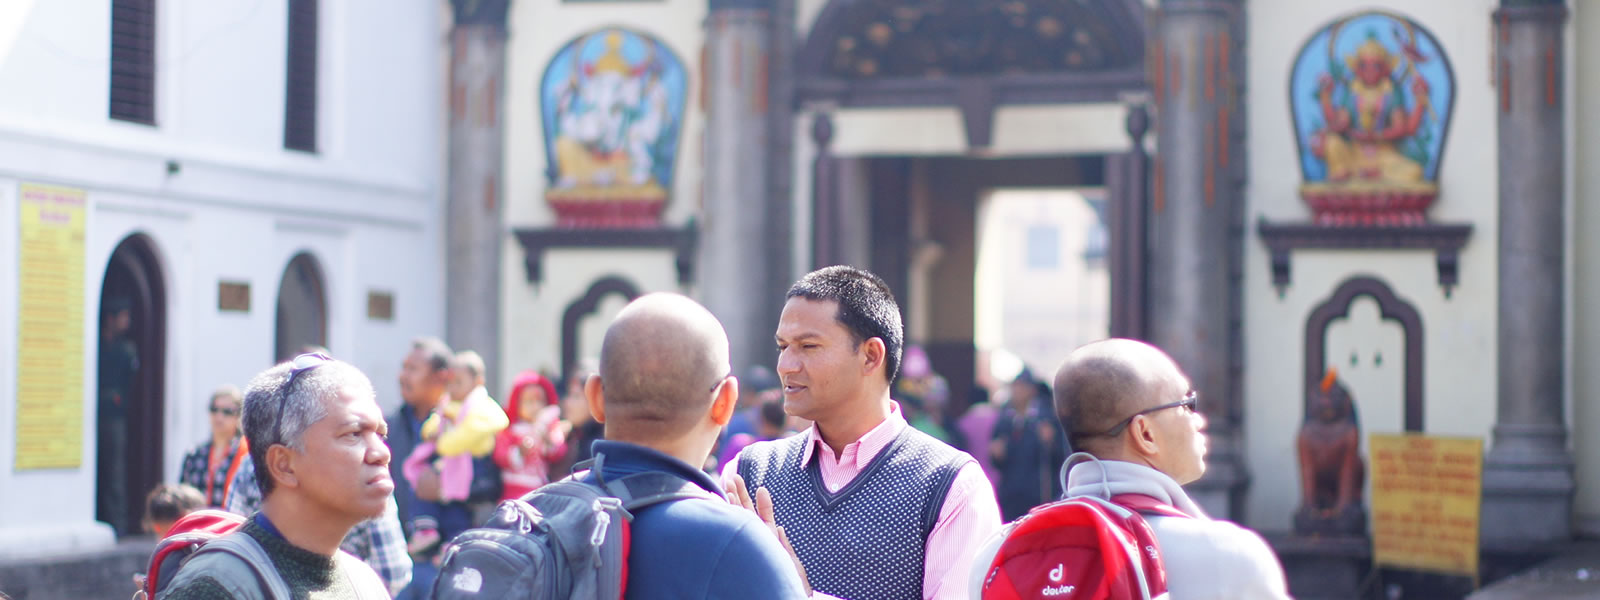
column 824, row 193
column 1527, row 481
column 473, row 217
column 1127, row 185
column 733, row 222
column 1191, row 226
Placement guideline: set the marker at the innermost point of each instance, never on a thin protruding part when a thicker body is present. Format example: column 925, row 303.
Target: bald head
column 1104, row 382
column 658, row 364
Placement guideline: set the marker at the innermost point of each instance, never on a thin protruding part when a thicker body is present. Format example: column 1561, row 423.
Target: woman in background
column 211, row 465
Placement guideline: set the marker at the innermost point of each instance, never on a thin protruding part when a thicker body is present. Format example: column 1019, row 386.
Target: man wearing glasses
column 317, row 436
column 1135, row 429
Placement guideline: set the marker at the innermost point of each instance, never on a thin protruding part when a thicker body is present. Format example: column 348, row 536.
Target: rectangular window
column 300, row 97
column 133, row 61
column 1044, row 247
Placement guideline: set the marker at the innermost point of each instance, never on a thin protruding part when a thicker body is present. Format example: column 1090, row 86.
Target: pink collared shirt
column 969, row 516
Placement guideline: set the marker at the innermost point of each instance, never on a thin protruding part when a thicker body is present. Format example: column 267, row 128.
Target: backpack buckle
column 603, row 507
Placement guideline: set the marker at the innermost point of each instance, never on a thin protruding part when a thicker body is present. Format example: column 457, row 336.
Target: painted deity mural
column 612, row 105
column 1371, row 96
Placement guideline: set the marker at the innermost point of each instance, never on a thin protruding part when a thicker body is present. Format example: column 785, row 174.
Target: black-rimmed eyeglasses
column 304, row 362
column 1190, row 402
column 720, row 380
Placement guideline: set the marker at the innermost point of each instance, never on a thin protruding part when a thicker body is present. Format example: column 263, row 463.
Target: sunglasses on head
column 304, row 362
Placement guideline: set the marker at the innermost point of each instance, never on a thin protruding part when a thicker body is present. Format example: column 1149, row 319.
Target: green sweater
column 310, row 576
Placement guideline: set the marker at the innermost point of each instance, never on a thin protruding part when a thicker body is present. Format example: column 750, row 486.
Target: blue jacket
column 697, row 548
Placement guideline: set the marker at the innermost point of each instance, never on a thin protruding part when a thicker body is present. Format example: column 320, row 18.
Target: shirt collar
column 624, row 459
column 870, row 443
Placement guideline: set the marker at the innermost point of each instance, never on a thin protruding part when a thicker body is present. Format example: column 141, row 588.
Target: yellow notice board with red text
column 1426, row 492
column 50, row 328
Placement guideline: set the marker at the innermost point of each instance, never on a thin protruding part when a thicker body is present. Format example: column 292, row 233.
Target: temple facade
column 1288, row 190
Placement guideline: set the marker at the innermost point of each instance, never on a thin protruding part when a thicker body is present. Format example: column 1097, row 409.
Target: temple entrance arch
column 915, row 111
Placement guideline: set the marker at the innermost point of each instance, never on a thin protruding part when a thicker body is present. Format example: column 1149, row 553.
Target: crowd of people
column 844, row 475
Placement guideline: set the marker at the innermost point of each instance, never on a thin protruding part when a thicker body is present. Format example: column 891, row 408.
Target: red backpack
column 205, row 529
column 1082, row 548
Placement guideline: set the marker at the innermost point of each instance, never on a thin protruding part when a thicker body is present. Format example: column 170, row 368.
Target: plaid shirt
column 379, row 542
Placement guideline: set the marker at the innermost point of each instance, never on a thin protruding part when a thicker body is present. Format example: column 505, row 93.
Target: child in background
column 167, row 503
column 462, row 427
column 536, row 438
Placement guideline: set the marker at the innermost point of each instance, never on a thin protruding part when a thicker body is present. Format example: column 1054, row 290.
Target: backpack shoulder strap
column 1149, row 506
column 649, row 488
column 248, row 551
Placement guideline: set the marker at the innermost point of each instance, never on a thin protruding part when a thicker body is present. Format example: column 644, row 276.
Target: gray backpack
column 566, row 540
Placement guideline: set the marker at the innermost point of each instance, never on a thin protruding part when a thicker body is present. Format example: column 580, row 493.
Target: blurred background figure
column 583, row 430
column 536, row 438
column 443, row 468
column 1027, row 447
column 922, row 395
column 976, row 427
column 747, row 417
column 119, row 364
column 167, row 503
column 212, row 465
column 770, row 425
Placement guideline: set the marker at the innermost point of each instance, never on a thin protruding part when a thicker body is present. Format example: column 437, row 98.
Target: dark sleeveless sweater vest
column 868, row 541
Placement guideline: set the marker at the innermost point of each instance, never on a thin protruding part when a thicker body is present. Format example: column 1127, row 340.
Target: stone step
column 100, row 574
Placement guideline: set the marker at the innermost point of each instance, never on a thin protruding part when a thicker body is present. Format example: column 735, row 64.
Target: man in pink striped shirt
column 873, row 507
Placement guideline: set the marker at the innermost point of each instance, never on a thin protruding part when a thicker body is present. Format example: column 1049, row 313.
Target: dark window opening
column 300, row 97
column 133, row 61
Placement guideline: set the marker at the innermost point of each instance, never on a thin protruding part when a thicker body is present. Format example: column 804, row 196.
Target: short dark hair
column 169, row 502
column 866, row 307
column 436, row 351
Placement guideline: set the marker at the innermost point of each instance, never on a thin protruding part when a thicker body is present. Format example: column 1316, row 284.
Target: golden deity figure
column 1362, row 135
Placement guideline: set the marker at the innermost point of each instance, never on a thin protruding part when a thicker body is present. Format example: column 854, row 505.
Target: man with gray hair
column 317, row 438
column 664, row 393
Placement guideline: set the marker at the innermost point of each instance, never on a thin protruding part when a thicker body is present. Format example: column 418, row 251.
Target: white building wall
column 1583, row 138
column 531, row 314
column 237, row 208
column 1460, row 366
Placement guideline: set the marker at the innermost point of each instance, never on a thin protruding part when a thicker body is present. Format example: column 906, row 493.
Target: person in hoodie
column 536, row 437
column 1135, row 425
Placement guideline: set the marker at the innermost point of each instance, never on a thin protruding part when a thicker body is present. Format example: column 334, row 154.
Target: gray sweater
column 310, row 576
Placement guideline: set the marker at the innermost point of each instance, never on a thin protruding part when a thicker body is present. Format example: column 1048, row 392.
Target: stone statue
column 1332, row 473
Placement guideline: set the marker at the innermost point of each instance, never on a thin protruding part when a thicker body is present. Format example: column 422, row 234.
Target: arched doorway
column 131, row 383
column 574, row 314
column 910, row 215
column 302, row 313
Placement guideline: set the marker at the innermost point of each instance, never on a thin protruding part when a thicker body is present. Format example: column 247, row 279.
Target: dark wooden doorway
column 950, row 189
column 131, row 366
column 302, row 308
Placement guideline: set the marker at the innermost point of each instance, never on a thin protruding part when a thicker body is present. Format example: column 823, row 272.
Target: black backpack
column 568, row 539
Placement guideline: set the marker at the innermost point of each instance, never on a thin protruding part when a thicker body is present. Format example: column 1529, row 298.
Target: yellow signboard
column 50, row 328
column 1426, row 492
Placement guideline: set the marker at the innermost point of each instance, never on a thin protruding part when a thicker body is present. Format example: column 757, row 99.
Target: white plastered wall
column 1459, row 331
column 234, row 205
column 531, row 313
column 1583, row 137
